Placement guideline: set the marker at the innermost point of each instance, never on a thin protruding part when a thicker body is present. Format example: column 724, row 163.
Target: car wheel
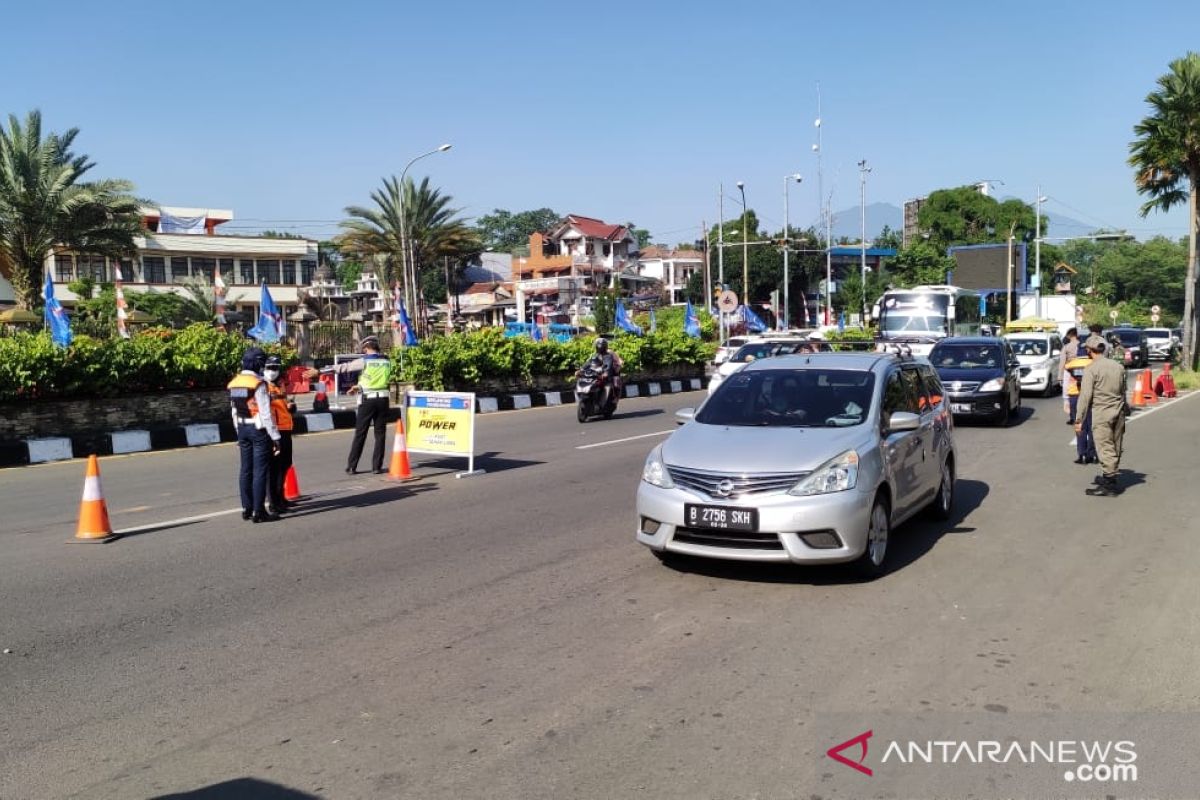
column 1051, row 389
column 1001, row 419
column 943, row 503
column 1013, row 410
column 871, row 564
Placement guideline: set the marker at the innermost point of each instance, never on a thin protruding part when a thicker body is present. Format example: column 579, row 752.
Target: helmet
column 369, row 341
column 601, row 345
column 273, row 361
column 254, row 359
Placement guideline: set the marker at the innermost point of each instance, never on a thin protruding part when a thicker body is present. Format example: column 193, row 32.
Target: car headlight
column 994, row 385
column 655, row 471
column 836, row 475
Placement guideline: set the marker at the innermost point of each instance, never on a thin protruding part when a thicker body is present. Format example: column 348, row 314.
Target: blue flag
column 842, row 322
column 753, row 321
column 653, row 321
column 270, row 325
column 408, row 337
column 691, row 323
column 56, row 318
column 535, row 333
column 623, row 321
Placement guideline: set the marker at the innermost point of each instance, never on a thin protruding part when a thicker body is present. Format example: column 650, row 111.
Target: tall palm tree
column 1166, row 157
column 432, row 227
column 43, row 205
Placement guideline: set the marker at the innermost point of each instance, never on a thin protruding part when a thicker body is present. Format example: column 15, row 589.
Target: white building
column 182, row 245
column 673, row 268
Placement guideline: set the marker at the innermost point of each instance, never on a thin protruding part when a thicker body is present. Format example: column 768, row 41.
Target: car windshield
column 1128, row 338
column 1158, row 333
column 750, row 352
column 893, row 322
column 791, row 398
column 1029, row 347
column 966, row 356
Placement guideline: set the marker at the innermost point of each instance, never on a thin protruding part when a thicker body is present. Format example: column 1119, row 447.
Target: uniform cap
column 274, row 361
column 1095, row 343
column 369, row 341
column 253, row 358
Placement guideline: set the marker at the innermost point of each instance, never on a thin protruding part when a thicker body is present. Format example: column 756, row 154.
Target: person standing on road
column 282, row 410
column 1070, row 350
column 373, row 389
column 1102, row 396
column 257, row 434
column 1085, row 446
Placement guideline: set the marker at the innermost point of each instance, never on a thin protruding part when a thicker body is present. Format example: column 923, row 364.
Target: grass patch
column 1186, row 379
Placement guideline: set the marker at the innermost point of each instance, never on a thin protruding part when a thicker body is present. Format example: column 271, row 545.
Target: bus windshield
column 913, row 313
column 910, row 321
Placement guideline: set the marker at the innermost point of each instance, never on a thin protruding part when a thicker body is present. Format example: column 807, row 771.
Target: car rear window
column 791, row 398
column 967, row 356
column 1129, row 338
column 1029, row 347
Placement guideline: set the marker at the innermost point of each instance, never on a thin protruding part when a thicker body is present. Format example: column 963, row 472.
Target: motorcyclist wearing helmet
column 609, row 364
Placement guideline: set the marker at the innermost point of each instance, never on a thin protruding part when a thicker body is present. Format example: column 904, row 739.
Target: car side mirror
column 684, row 415
column 903, row 421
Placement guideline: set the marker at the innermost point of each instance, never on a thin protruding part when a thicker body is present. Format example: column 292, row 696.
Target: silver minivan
column 806, row 459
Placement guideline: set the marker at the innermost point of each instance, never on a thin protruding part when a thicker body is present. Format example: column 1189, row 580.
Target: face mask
column 271, row 374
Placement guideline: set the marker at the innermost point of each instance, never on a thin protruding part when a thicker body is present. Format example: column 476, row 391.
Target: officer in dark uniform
column 257, row 434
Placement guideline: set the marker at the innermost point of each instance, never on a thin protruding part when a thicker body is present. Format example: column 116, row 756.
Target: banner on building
column 441, row 423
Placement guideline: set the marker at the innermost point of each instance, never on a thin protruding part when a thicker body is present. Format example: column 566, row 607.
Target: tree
column 504, row 231
column 919, row 263
column 43, row 205
column 888, row 238
column 604, row 311
column 280, row 235
column 965, row 216
column 1166, row 161
column 642, row 235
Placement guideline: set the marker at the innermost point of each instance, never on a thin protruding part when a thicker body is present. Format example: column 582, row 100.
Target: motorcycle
column 595, row 393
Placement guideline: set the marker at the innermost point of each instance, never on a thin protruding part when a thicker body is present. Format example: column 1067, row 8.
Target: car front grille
column 724, row 486
column 1025, row 371
column 739, row 540
column 960, row 387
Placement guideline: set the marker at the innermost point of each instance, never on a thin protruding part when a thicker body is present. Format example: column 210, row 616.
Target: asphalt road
column 502, row 636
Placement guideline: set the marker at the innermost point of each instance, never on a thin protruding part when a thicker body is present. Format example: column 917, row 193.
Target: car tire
column 942, row 506
column 1015, row 410
column 873, row 561
column 1051, row 389
column 1001, row 419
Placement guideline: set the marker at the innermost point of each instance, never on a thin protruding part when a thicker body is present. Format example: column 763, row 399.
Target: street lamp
column 787, row 233
column 745, row 247
column 406, row 250
column 863, row 169
column 1037, row 250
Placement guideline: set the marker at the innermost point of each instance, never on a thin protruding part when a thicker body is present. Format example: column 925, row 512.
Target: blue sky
column 288, row 112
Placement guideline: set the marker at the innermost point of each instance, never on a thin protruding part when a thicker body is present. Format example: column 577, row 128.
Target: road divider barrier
column 93, row 512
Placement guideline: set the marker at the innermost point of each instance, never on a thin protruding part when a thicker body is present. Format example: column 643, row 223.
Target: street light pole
column 863, row 169
column 721, row 252
column 787, row 233
column 1037, row 250
column 1011, row 266
column 745, row 247
column 406, row 251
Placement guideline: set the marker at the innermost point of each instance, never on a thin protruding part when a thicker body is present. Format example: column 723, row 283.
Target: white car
column 753, row 351
column 1040, row 355
column 731, row 346
column 1161, row 343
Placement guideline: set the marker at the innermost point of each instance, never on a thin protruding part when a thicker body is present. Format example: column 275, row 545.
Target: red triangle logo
column 835, row 752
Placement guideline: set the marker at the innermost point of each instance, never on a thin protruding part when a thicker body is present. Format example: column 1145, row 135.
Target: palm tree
column 44, row 205
column 433, row 229
column 1166, row 157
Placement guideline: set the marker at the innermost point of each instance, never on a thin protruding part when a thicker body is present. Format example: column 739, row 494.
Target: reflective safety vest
column 279, row 407
column 1075, row 368
column 376, row 374
column 241, row 395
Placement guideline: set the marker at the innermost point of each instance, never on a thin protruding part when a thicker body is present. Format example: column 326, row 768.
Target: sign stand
column 442, row 423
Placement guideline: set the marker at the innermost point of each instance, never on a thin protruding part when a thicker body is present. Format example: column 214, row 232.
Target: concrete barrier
column 676, row 387
column 522, row 401
column 631, row 390
column 197, row 435
column 319, row 422
column 130, row 441
column 55, row 448
column 488, row 405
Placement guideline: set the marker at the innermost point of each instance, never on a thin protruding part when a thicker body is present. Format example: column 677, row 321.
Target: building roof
column 595, row 228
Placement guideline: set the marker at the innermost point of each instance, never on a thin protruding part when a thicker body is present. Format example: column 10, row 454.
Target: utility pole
column 1011, row 267
column 787, row 234
column 721, row 252
column 827, row 215
column 707, row 265
column 863, row 169
column 745, row 247
column 1037, row 250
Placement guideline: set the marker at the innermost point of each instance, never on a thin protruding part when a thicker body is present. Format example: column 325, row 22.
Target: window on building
column 307, row 270
column 64, row 268
column 123, row 270
column 179, row 270
column 203, row 267
column 288, row 273
column 245, row 273
column 92, row 267
column 154, row 269
column 227, row 270
column 268, row 271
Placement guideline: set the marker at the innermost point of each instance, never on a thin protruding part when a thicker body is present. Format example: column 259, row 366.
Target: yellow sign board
column 442, row 423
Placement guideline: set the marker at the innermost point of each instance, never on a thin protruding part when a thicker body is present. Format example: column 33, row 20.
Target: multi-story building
column 672, row 268
column 167, row 258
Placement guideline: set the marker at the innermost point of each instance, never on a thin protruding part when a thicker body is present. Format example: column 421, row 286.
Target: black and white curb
column 106, row 443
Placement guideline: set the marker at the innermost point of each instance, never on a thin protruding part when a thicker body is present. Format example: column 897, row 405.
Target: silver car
column 807, row 459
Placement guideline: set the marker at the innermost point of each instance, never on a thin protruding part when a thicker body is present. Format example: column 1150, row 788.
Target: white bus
column 919, row 316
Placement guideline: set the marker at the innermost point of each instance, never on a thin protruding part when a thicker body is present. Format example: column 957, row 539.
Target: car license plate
column 960, row 408
column 721, row 517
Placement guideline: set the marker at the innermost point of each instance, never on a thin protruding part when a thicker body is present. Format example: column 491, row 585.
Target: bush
column 465, row 360
column 153, row 360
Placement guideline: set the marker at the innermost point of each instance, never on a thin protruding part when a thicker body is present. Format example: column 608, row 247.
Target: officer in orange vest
column 281, row 411
column 257, row 434
column 1085, row 447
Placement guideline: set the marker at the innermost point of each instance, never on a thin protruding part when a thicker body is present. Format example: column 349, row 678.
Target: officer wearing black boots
column 373, row 389
column 257, row 434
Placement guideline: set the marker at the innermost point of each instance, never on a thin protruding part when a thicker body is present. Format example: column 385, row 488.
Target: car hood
column 981, row 374
column 1029, row 361
column 726, row 448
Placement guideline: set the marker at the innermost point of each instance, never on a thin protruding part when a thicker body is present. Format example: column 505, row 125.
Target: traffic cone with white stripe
column 400, row 469
column 93, row 512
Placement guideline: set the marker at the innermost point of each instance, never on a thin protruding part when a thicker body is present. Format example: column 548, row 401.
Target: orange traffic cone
column 1165, row 385
column 291, row 486
column 93, row 513
column 400, row 470
column 1148, row 388
column 1138, row 398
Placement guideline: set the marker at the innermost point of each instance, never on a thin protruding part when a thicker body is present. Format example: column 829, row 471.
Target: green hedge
column 155, row 360
column 464, row 360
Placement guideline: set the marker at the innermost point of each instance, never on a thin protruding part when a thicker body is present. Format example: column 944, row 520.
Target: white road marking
column 626, row 439
column 210, row 514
